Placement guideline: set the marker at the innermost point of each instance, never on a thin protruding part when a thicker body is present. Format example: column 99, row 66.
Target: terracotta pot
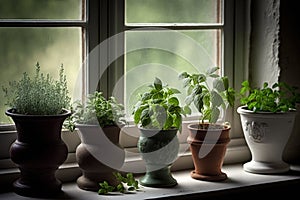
column 38, row 139
column 208, row 147
column 98, row 155
column 266, row 135
column 159, row 150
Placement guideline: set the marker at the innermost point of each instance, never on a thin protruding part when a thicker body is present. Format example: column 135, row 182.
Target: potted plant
column 208, row 139
column 158, row 116
column 38, row 106
column 99, row 122
column 267, row 116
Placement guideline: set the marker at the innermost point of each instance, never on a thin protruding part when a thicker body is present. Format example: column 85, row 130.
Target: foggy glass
column 40, row 9
column 172, row 11
column 22, row 47
column 165, row 54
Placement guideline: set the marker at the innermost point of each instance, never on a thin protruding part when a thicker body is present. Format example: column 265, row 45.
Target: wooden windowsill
column 239, row 184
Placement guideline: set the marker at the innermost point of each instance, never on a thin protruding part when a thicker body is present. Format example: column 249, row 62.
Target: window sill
column 238, row 183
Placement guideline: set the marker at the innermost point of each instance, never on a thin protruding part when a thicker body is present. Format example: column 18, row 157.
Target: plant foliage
column 38, row 95
column 127, row 184
column 280, row 97
column 98, row 110
column 158, row 108
column 208, row 100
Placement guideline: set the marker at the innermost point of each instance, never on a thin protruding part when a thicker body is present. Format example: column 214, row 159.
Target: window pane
column 21, row 48
column 165, row 54
column 175, row 11
column 37, row 9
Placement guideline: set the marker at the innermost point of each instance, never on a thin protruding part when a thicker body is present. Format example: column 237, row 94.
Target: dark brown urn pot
column 38, row 151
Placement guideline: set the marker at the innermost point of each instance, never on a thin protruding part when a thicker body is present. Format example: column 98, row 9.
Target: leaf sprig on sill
column 127, row 184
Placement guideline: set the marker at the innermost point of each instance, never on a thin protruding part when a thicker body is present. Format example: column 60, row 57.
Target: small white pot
column 266, row 135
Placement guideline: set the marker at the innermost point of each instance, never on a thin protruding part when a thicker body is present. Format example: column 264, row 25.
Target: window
column 161, row 38
column 119, row 46
column 49, row 32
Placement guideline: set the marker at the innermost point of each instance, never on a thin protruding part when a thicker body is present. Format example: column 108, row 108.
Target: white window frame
column 104, row 19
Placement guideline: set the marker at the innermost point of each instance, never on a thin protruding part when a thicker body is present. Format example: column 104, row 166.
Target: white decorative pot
column 266, row 135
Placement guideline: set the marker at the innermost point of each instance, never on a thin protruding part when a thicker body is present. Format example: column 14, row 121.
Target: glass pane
column 175, row 11
column 37, row 9
column 21, row 48
column 165, row 54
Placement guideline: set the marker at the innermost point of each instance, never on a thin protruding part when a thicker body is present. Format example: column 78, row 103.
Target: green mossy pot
column 159, row 150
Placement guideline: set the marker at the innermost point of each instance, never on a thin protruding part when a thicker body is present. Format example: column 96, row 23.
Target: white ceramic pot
column 266, row 135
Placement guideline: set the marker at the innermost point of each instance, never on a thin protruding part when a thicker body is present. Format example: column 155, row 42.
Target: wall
column 274, row 54
column 289, row 62
column 264, row 65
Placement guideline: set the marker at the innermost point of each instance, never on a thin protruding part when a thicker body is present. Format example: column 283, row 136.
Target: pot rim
column 9, row 112
column 154, row 129
column 225, row 126
column 97, row 125
column 243, row 110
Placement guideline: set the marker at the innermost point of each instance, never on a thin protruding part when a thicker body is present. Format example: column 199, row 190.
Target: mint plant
column 38, row 95
column 159, row 108
column 97, row 110
column 208, row 100
column 127, row 183
column 280, row 97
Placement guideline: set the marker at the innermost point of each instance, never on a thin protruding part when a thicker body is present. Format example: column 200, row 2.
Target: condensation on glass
column 164, row 38
column 173, row 12
column 41, row 9
column 22, row 47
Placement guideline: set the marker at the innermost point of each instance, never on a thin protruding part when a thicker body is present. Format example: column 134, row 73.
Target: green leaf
column 216, row 99
column 186, row 82
column 173, row 101
column 189, row 99
column 246, row 84
column 137, row 114
column 183, row 75
column 177, row 121
column 169, row 122
column 197, row 90
column 230, row 95
column 121, row 188
column 198, row 102
column 145, row 117
column 212, row 70
column 218, row 85
column 174, row 91
column 215, row 115
column 187, row 110
column 214, row 75
column 225, row 82
column 157, row 84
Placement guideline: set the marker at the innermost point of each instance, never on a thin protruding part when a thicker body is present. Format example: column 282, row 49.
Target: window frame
column 235, row 54
column 99, row 26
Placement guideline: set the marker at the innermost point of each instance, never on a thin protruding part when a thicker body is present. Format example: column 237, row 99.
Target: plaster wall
column 264, row 47
column 289, row 62
column 274, row 55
